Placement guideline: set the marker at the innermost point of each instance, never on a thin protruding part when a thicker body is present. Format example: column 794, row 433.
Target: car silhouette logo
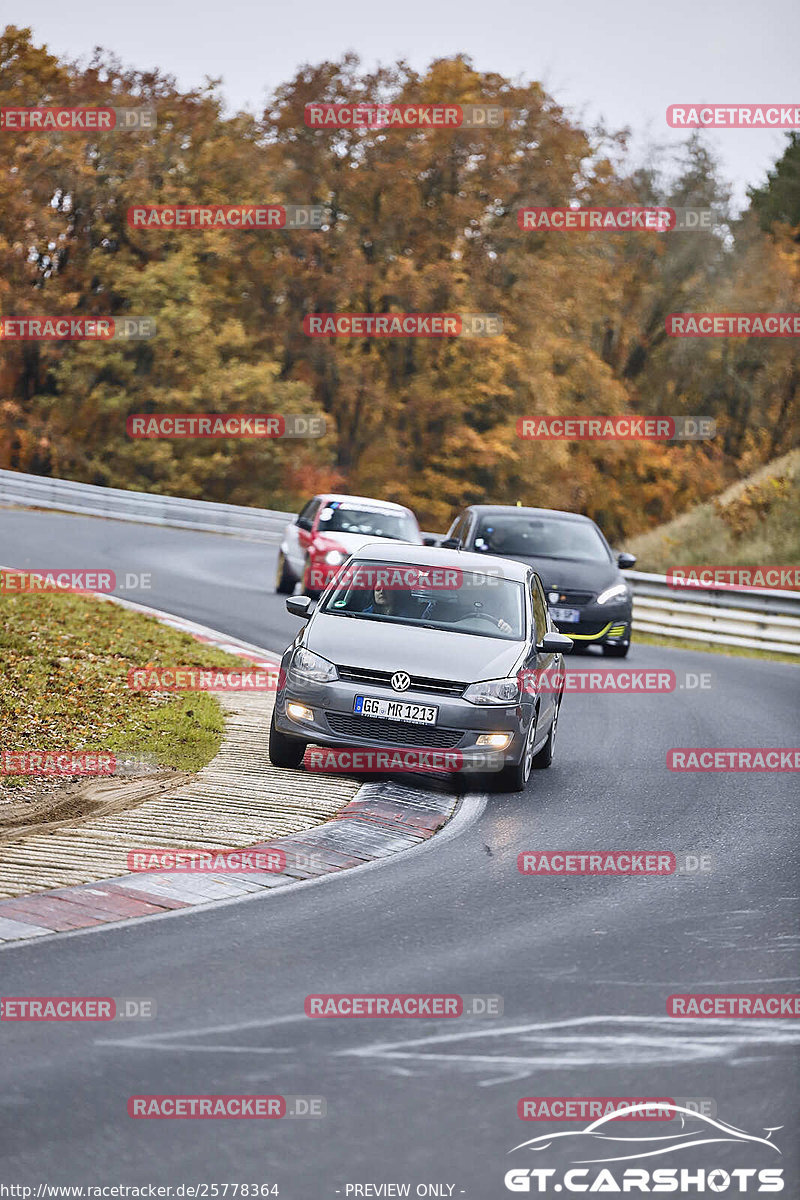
column 400, row 681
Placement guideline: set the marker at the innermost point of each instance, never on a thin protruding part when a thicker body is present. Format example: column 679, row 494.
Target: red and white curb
column 381, row 820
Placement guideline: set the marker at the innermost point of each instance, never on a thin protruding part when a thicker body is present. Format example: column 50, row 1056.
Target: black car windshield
column 337, row 517
column 434, row 597
column 539, row 537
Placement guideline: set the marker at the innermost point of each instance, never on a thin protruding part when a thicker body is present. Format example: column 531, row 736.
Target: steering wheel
column 477, row 616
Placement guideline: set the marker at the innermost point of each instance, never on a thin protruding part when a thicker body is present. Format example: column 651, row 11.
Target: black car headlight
column 617, row 591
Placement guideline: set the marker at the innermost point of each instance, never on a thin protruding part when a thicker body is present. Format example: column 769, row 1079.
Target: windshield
column 540, row 537
column 339, row 518
column 433, row 597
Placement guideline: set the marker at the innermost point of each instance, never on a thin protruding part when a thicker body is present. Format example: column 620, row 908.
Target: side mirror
column 555, row 643
column 430, row 541
column 451, row 544
column 626, row 561
column 300, row 606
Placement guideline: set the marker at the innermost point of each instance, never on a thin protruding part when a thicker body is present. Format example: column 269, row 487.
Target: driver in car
column 390, row 602
column 452, row 614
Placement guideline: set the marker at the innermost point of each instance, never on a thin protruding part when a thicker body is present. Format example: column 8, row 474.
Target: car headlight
column 334, row 557
column 312, row 667
column 493, row 691
column 617, row 592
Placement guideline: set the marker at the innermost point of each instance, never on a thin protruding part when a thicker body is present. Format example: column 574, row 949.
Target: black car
column 589, row 598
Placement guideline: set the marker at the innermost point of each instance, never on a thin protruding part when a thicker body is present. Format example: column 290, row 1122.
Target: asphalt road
column 584, row 965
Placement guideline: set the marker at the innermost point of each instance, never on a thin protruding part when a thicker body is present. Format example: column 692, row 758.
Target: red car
column 329, row 529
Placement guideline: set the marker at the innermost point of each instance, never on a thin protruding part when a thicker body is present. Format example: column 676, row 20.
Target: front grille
column 419, row 683
column 393, row 733
column 569, row 597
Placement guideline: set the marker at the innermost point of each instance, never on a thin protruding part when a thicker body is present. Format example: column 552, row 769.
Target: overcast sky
column 620, row 61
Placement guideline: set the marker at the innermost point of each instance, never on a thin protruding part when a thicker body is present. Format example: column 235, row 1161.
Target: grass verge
column 65, row 665
column 756, row 522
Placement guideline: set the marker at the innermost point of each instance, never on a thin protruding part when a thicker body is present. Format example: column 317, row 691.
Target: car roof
column 558, row 513
column 389, row 505
column 434, row 556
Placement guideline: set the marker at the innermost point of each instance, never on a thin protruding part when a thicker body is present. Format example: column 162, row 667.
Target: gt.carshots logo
column 607, row 1141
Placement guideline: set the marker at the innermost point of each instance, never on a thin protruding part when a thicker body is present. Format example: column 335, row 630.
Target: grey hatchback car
column 413, row 646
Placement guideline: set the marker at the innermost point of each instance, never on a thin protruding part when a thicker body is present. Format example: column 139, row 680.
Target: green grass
column 755, row 522
column 656, row 639
column 65, row 661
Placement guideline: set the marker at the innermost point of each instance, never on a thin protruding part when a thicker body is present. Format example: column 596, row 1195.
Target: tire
column 542, row 760
column 514, row 777
column 284, row 579
column 616, row 651
column 284, row 751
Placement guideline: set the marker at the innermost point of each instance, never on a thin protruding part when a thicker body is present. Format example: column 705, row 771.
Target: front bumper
column 599, row 624
column 459, row 724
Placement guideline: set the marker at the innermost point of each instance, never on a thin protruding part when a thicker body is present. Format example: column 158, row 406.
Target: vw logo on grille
column 400, row 681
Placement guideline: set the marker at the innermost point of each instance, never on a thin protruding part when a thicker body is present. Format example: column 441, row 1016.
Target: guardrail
column 763, row 619
column 36, row 491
